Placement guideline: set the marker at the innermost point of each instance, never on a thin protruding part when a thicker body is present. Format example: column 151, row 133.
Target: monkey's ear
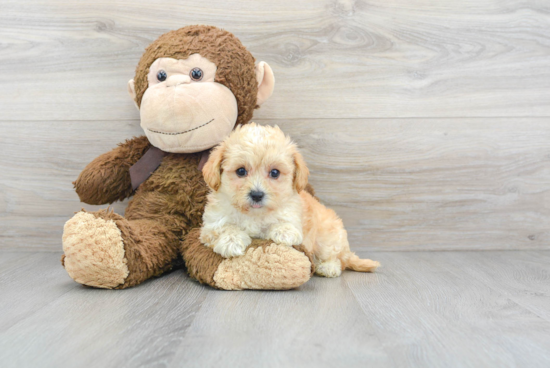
column 266, row 82
column 132, row 91
column 301, row 172
column 212, row 170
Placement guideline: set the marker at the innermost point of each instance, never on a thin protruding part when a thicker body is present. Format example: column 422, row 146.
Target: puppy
column 257, row 179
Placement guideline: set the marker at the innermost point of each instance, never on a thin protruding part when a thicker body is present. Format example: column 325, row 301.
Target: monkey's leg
column 104, row 250
column 264, row 266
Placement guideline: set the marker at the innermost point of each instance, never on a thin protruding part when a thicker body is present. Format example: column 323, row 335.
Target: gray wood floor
column 423, row 309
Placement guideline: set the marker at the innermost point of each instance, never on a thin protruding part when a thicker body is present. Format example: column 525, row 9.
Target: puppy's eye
column 274, row 173
column 241, row 172
column 196, row 74
column 161, row 75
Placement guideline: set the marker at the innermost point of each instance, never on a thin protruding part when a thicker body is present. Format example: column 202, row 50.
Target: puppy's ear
column 212, row 170
column 301, row 172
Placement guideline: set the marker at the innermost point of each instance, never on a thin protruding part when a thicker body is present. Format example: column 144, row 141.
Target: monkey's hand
column 107, row 178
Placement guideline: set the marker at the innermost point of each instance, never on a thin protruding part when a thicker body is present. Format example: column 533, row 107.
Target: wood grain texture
column 434, row 314
column 426, row 125
column 412, row 184
column 524, row 279
column 28, row 283
column 81, row 326
column 36, row 191
column 71, row 60
column 422, row 309
column 433, row 183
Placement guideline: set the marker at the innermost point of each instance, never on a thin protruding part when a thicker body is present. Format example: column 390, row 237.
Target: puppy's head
column 257, row 168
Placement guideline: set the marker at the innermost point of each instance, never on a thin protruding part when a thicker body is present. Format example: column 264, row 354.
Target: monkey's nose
column 176, row 80
column 257, row 196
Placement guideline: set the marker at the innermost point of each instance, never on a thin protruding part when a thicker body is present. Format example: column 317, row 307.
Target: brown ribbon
column 150, row 161
column 146, row 165
column 204, row 158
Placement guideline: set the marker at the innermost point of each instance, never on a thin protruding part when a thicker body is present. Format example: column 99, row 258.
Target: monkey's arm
column 107, row 178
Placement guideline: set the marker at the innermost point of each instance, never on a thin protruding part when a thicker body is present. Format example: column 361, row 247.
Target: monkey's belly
column 175, row 194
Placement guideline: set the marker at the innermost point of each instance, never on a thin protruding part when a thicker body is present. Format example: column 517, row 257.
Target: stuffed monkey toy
column 192, row 87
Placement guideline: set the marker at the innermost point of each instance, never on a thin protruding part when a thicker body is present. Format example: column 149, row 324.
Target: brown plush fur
column 201, row 263
column 107, row 178
column 150, row 249
column 170, row 203
column 235, row 63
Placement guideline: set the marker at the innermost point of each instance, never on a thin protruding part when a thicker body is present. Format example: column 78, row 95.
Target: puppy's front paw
column 285, row 234
column 231, row 243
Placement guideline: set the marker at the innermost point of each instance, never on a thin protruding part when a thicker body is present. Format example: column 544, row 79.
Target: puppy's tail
column 353, row 262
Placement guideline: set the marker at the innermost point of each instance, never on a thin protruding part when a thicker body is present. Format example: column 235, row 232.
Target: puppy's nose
column 256, row 195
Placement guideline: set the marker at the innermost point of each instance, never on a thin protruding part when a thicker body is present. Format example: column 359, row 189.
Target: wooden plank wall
column 426, row 124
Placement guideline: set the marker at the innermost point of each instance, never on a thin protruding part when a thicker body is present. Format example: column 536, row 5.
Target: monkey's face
column 194, row 84
column 183, row 109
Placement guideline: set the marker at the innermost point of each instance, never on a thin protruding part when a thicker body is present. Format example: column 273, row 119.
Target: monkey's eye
column 274, row 173
column 161, row 75
column 241, row 172
column 196, row 74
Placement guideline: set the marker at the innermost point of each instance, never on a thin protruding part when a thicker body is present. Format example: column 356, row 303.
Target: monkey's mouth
column 178, row 133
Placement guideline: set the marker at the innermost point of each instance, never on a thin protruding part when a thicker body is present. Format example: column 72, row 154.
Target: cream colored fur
column 287, row 214
column 94, row 251
column 261, row 267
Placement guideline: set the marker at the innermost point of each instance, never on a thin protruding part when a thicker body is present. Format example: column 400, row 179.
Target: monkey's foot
column 94, row 251
column 264, row 265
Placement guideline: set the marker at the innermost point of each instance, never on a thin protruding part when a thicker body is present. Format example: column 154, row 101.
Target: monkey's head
column 193, row 85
